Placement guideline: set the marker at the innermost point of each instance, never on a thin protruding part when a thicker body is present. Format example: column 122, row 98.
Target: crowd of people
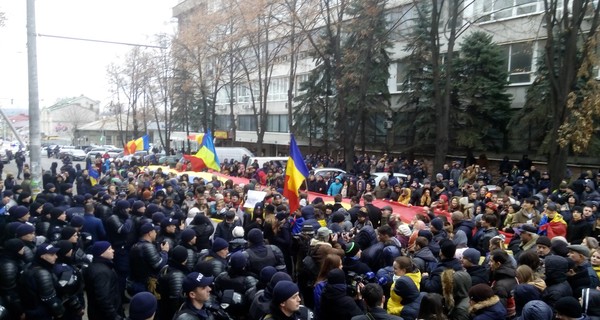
column 147, row 244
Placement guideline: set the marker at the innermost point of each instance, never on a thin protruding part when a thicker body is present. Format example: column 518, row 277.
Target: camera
column 353, row 280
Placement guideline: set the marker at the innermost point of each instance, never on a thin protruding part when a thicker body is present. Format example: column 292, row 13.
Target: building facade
column 63, row 119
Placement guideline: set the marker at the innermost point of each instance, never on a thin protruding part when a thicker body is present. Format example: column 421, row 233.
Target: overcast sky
column 70, row 68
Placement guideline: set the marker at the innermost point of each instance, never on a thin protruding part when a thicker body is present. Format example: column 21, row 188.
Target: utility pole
column 35, row 139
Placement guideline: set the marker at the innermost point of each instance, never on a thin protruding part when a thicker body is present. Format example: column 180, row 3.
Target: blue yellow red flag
column 296, row 173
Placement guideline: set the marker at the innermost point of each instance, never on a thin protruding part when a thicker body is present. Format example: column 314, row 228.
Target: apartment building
column 516, row 25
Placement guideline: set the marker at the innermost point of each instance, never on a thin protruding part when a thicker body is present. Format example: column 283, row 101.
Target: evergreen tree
column 483, row 109
column 418, row 111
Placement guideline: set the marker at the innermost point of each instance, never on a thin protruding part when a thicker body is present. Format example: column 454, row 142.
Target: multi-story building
column 66, row 116
column 516, row 25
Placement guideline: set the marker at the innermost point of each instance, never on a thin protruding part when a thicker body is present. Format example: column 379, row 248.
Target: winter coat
column 524, row 293
column 590, row 301
column 422, row 258
column 577, row 231
column 433, row 283
column 536, row 310
column 455, row 287
column 504, row 282
column 336, row 304
column 211, row 264
column 376, row 314
column 556, row 279
column 394, row 304
column 411, row 297
column 490, row 309
column 479, row 274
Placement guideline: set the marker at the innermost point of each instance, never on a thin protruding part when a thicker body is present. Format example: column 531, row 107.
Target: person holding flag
column 296, row 173
column 206, row 157
column 138, row 144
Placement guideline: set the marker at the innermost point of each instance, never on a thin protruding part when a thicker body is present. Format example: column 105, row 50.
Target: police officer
column 102, row 282
column 11, row 265
column 146, row 261
column 171, row 282
column 196, row 288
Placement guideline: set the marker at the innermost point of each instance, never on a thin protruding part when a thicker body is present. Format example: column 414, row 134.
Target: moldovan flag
column 142, row 143
column 94, row 175
column 206, row 157
column 295, row 174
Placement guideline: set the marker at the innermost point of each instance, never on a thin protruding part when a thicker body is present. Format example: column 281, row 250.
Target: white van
column 235, row 153
column 262, row 160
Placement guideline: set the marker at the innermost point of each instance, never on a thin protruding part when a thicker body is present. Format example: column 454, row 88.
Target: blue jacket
column 490, row 309
column 334, row 189
column 94, row 227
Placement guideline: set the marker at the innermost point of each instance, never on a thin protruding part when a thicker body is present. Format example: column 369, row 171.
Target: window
column 244, row 93
column 300, row 79
column 402, row 80
column 247, row 123
column 503, row 9
column 223, row 122
column 223, row 96
column 519, row 62
column 277, row 123
column 278, row 89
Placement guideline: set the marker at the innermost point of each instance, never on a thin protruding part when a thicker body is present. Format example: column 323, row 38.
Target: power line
column 101, row 41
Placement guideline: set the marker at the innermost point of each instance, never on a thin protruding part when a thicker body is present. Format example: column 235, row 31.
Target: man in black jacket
column 102, row 283
column 11, row 264
column 40, row 300
column 373, row 296
column 146, row 261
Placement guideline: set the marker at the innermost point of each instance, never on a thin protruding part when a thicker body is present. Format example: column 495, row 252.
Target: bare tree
column 571, row 30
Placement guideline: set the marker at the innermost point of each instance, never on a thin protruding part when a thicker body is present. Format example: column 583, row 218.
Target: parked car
column 377, row 176
column 77, row 155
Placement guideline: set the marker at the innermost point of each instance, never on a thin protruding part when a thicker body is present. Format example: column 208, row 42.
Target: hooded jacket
column 336, row 304
column 504, row 282
column 536, row 310
column 455, row 289
column 405, row 288
column 556, row 279
column 479, row 274
column 394, row 304
column 590, row 301
column 524, row 293
column 433, row 283
column 422, row 257
column 489, row 309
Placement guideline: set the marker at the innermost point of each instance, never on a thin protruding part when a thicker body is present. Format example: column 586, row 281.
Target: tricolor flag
column 206, row 157
column 295, row 174
column 94, row 175
column 142, row 143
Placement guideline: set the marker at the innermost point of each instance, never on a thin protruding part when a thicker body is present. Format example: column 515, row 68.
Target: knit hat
column 580, row 249
column 266, row 274
column 157, row 217
column 77, row 221
column 336, row 276
column 55, row 213
column 283, row 291
column 137, row 205
column 568, row 306
column 238, row 232
column 152, row 208
column 178, row 254
column 142, row 306
column 447, row 248
column 437, row 223
column 64, row 246
column 238, row 261
column 67, row 232
column 23, row 229
column 545, row 241
column 219, row 244
column 480, row 292
column 123, row 204
column 352, row 249
column 13, row 245
column 276, row 278
column 338, row 217
column 19, row 212
column 99, row 247
column 187, row 235
column 78, row 199
column 255, row 236
column 145, row 228
column 473, row 255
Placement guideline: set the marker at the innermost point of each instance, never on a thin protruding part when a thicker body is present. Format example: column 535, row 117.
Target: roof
column 67, row 102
